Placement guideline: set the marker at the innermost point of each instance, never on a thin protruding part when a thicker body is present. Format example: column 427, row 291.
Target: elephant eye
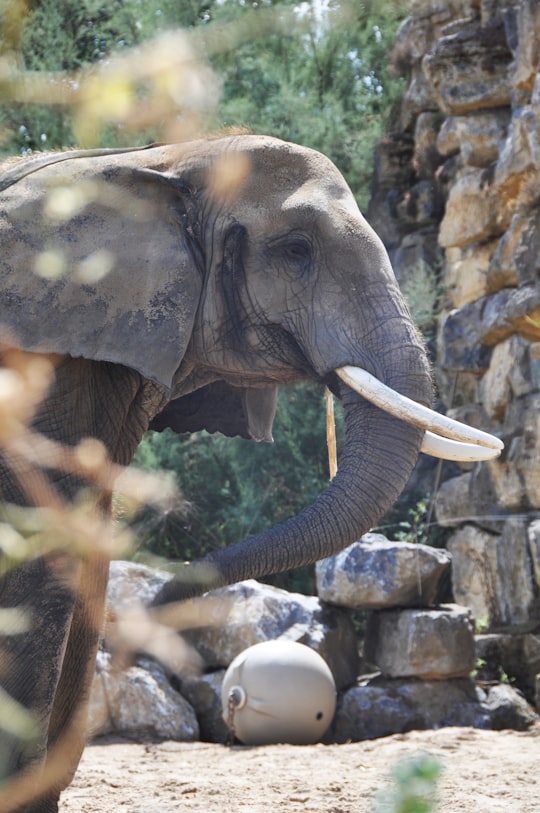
column 294, row 251
column 297, row 250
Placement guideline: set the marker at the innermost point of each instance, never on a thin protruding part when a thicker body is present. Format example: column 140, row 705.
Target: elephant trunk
column 379, row 454
column 377, row 459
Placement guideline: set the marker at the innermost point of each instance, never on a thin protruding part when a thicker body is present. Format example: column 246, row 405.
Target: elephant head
column 219, row 269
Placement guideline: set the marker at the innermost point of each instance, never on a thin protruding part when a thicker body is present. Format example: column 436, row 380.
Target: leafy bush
column 414, row 786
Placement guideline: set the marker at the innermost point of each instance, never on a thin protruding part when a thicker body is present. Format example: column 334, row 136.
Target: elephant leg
column 68, row 724
column 47, row 668
column 30, row 670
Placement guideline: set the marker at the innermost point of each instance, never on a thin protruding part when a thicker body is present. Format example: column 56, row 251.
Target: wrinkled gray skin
column 214, row 297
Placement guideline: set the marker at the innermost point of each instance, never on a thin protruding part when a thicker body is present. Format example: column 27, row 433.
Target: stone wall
column 457, row 193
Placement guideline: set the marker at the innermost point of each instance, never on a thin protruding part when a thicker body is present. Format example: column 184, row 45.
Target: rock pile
column 135, row 695
column 424, row 654
column 456, row 198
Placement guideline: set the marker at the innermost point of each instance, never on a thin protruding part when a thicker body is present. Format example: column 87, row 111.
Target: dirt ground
column 484, row 772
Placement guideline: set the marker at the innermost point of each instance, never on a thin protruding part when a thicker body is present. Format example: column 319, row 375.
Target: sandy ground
column 484, row 772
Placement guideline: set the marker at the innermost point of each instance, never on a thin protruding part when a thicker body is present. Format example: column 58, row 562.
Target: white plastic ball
column 278, row 691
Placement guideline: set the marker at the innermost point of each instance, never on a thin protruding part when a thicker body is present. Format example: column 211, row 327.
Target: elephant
column 179, row 285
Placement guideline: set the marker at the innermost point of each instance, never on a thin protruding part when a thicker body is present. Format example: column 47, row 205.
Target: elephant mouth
column 444, row 437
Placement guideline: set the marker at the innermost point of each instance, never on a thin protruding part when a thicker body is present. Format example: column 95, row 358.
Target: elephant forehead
column 332, row 216
column 333, row 209
column 316, row 199
column 276, row 169
column 330, row 207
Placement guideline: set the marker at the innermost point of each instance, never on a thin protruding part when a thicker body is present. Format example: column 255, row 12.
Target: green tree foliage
column 61, row 35
column 325, row 85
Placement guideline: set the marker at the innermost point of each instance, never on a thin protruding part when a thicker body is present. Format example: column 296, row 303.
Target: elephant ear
column 218, row 407
column 100, row 260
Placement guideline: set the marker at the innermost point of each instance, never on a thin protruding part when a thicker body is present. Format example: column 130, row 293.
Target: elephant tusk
column 331, row 434
column 408, row 410
column 447, row 449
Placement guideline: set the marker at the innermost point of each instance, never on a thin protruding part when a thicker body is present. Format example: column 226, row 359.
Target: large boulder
column 255, row 612
column 508, row 709
column 477, row 137
column 379, row 706
column 516, row 172
column 527, row 51
column 517, row 258
column 434, row 644
column 504, row 657
column 465, row 274
column 138, row 702
column 493, row 574
column 374, row 573
column 204, row 694
column 471, row 213
column 533, row 534
column 468, row 69
column 129, row 629
column 132, row 583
